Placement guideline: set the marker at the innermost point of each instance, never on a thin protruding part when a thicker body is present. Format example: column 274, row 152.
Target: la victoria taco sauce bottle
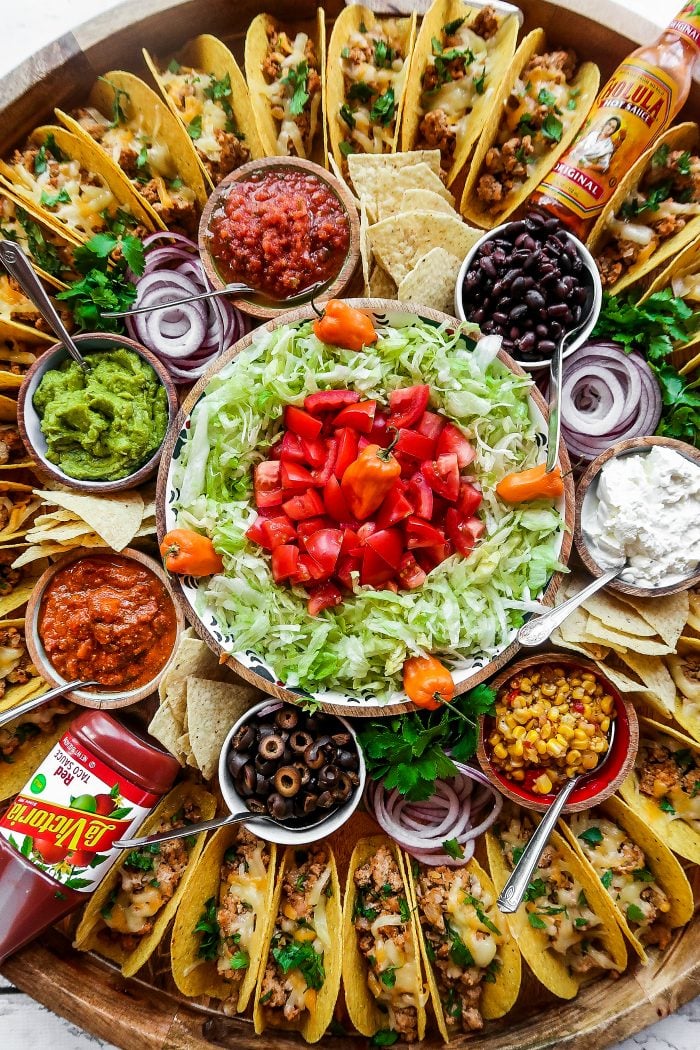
column 96, row 786
column 640, row 100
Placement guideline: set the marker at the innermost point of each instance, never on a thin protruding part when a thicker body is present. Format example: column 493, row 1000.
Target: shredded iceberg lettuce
column 466, row 607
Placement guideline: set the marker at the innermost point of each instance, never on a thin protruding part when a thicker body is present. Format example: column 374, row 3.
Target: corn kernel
column 516, row 749
column 542, row 785
column 541, row 747
column 574, row 757
column 519, row 732
column 494, row 739
column 549, row 690
column 565, row 731
column 532, row 736
column 518, row 774
column 605, row 724
column 553, row 714
column 607, row 704
column 304, row 934
column 554, row 748
column 499, row 751
column 546, row 731
column 525, row 685
column 589, row 760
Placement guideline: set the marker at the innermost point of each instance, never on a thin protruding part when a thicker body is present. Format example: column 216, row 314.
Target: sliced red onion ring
column 188, row 337
column 461, row 808
column 607, row 395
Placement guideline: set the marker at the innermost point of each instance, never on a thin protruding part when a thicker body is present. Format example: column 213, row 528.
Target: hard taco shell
column 64, row 233
column 88, row 935
column 195, row 976
column 686, row 264
column 15, row 771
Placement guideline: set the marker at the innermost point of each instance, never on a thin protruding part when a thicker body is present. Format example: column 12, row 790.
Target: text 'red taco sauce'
column 97, row 785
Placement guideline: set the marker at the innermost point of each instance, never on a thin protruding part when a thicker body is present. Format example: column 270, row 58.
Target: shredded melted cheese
column 82, row 210
column 187, row 89
column 289, row 137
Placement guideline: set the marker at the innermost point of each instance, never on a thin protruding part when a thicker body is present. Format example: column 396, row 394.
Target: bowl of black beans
column 295, row 766
column 530, row 281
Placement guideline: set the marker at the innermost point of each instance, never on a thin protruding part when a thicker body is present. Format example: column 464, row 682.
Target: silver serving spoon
column 39, row 701
column 21, row 270
column 511, row 896
column 292, row 824
column 539, row 627
column 235, row 291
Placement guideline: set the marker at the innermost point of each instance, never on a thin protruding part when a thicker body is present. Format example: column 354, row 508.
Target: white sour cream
column 648, row 510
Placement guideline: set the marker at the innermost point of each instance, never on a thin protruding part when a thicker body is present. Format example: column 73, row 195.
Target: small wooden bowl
column 92, row 698
column 587, row 486
column 30, row 428
column 598, row 786
column 270, row 308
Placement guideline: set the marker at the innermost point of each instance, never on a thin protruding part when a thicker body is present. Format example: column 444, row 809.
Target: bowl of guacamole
column 102, row 429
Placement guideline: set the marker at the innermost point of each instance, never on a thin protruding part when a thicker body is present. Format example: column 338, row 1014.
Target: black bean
column 477, row 316
column 500, row 318
column 517, row 312
column 557, row 310
column 576, row 265
column 556, row 330
column 570, row 249
column 551, row 225
column 499, row 288
column 505, row 302
column 488, row 266
column 565, row 264
column 499, row 256
column 534, row 299
column 488, row 248
column 521, row 238
column 508, row 345
column 542, row 331
column 519, row 286
column 545, row 347
column 488, row 327
column 514, row 332
column 529, row 262
column 551, row 277
column 472, row 279
column 527, row 343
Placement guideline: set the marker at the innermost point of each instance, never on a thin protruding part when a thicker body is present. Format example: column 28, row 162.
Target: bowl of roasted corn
column 552, row 722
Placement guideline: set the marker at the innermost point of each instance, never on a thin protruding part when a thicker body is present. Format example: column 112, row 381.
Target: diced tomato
column 311, row 568
column 291, row 449
column 324, row 472
column 407, row 464
column 324, row 548
column 301, row 423
column 375, row 570
column 411, row 575
column 285, row 560
column 329, row 400
column 302, row 575
column 334, row 500
column 363, row 534
column 463, row 532
column 442, row 475
column 348, row 563
column 314, row 451
column 410, row 443
column 431, row 425
column 268, row 484
column 324, row 596
column 309, row 527
column 359, row 416
column 350, row 540
column 276, row 450
column 469, row 499
column 453, row 440
column 408, row 404
column 420, row 533
column 295, row 477
column 347, row 450
column 380, row 433
column 394, row 508
column 278, row 531
column 430, row 557
column 306, row 505
column 420, row 495
column 388, row 544
column 256, row 534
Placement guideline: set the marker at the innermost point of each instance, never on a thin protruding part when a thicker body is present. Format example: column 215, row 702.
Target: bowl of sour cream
column 640, row 501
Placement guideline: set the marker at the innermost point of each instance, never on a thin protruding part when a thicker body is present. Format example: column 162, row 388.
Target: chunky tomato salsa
column 280, row 232
column 109, row 619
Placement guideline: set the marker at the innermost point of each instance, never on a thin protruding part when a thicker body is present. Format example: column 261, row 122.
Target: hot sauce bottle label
column 687, row 23
column 67, row 817
column 631, row 112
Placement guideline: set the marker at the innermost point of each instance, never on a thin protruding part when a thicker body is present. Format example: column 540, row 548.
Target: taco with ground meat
column 20, row 345
column 147, row 144
column 544, row 100
column 381, row 957
column 664, row 787
column 461, row 56
column 654, row 213
column 134, row 905
column 205, row 89
column 566, row 927
column 299, row 977
column 219, row 931
column 286, row 72
column 367, row 75
column 644, row 880
column 49, row 250
column 25, row 742
column 19, row 678
column 471, row 960
column 16, row 585
column 18, row 505
column 68, row 181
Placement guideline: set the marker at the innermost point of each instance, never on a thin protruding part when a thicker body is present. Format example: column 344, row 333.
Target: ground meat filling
column 381, row 892
column 9, row 577
column 42, row 720
column 15, row 649
column 662, row 771
column 233, row 912
column 11, row 448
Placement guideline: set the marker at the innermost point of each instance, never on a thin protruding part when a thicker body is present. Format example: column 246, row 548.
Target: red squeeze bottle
column 96, row 786
column 640, row 100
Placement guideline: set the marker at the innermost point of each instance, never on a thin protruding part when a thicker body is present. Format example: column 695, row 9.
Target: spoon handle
column 513, row 892
column 19, row 267
column 554, row 422
column 37, row 701
column 538, row 629
column 188, row 829
column 230, row 289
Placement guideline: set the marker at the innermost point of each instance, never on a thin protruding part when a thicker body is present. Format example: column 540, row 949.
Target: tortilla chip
column 622, row 643
column 192, row 657
column 176, row 702
column 165, row 729
column 381, row 285
column 593, row 652
column 432, row 281
column 367, row 170
column 390, row 186
column 655, row 676
column 8, row 409
column 424, row 200
column 212, row 708
column 401, row 241
column 666, row 615
column 617, row 615
column 365, row 250
column 116, row 518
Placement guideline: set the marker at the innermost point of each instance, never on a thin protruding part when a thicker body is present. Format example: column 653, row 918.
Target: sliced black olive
column 262, row 785
column 304, row 773
column 310, row 803
column 326, row 800
column 287, row 781
column 271, row 747
column 343, row 788
column 244, row 739
column 278, row 807
column 235, row 761
column 312, row 723
column 354, row 777
column 265, row 766
column 286, row 718
column 299, row 741
column 256, row 805
column 341, row 739
column 328, row 777
column 246, row 779
column 288, row 755
column 347, row 759
column 314, row 756
column 265, row 729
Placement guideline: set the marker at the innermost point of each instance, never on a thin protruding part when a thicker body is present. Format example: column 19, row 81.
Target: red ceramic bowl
column 603, row 781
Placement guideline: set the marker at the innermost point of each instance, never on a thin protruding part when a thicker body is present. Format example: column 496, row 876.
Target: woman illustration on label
column 596, row 149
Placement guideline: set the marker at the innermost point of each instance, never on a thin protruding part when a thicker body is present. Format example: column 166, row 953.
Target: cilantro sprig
column 105, row 284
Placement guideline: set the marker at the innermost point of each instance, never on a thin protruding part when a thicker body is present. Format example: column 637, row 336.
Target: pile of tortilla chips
column 71, row 520
column 412, row 239
column 636, row 642
column 200, row 699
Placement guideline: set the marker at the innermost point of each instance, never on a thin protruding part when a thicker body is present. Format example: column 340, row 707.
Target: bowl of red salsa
column 285, row 227
column 106, row 617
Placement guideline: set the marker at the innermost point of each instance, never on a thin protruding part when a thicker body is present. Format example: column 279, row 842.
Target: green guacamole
column 104, row 424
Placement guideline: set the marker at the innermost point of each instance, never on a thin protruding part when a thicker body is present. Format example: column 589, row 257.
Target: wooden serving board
column 144, row 1014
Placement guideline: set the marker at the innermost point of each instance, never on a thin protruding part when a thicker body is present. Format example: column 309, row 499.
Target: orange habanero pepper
column 369, row 478
column 343, row 325
column 531, row 484
column 190, row 554
column 427, row 682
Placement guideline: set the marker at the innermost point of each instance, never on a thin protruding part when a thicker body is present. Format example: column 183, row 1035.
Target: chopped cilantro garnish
column 173, row 66
column 383, row 108
column 194, row 128
column 304, row 958
column 361, row 91
column 481, row 914
column 346, row 115
column 634, row 913
column 208, row 926
column 546, row 98
column 239, row 960
column 607, row 878
column 453, row 849
column 118, row 114
column 592, row 836
column 552, row 128
column 450, row 28
column 535, row 921
column 480, row 82
column 298, row 78
column 536, row 889
column 51, row 200
column 388, row 977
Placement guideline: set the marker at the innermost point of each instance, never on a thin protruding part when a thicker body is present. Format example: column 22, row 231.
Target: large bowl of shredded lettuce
column 468, row 611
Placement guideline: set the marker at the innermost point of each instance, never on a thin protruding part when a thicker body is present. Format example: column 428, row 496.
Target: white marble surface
column 28, row 25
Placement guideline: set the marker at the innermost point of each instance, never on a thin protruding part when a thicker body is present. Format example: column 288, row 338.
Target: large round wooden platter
column 146, row 1013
